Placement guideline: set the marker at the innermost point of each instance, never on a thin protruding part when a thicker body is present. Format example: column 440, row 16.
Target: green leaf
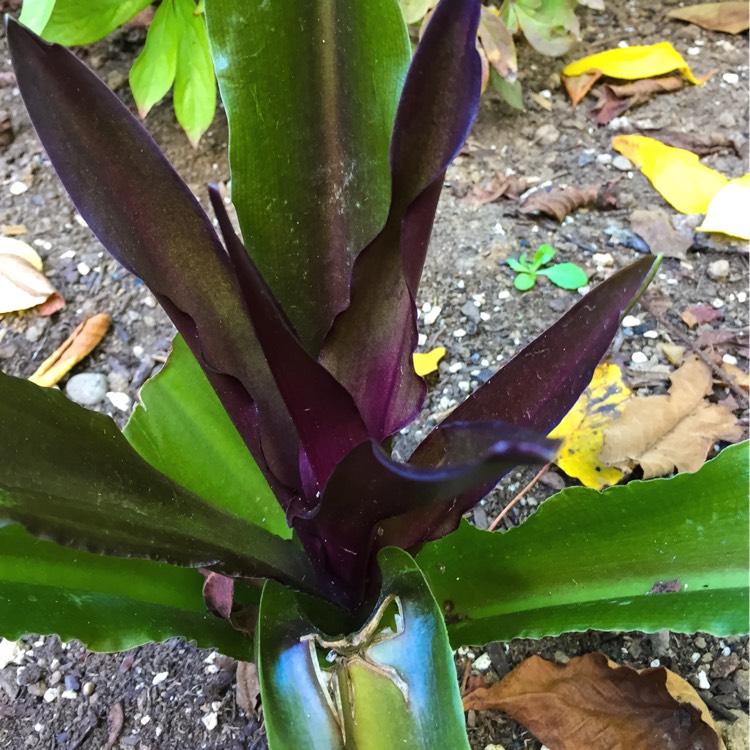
column 110, row 604
column 517, row 266
column 598, row 560
column 390, row 684
column 512, row 93
column 195, row 83
column 69, row 475
column 524, row 281
column 542, row 256
column 566, row 275
column 310, row 91
column 550, row 27
column 415, row 10
column 77, row 22
column 153, row 71
column 181, row 429
column 36, row 13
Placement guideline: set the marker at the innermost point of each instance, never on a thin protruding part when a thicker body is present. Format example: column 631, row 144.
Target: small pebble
column 210, row 720
column 80, row 221
column 630, row 321
column 87, row 388
column 482, row 663
column 18, row 188
column 159, row 677
column 459, row 333
column 432, row 315
column 546, row 134
column 120, row 401
column 504, row 294
column 71, row 683
column 88, row 688
column 703, row 682
column 700, row 642
column 742, row 297
column 655, row 663
column 651, row 334
column 717, row 303
column 455, row 367
column 51, row 694
column 69, row 695
column 604, row 158
column 83, row 268
column 731, row 78
column 638, row 358
column 695, row 657
column 621, row 163
column 729, row 359
column 718, row 270
column 55, row 677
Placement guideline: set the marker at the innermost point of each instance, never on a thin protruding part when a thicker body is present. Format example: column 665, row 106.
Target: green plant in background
column 175, row 54
column 565, row 275
column 550, row 27
column 257, row 474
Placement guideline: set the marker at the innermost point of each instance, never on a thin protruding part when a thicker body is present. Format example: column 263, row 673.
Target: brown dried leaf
column 78, row 345
column 511, row 186
column 676, row 430
column 578, row 86
column 615, row 99
column 698, row 315
column 659, row 233
column 559, row 202
column 218, row 593
column 248, row 687
column 498, row 45
column 701, row 144
column 22, row 283
column 592, row 703
column 656, row 302
column 115, row 718
column 729, row 17
column 739, row 377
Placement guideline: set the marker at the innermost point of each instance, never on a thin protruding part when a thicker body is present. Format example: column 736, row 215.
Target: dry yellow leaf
column 740, row 378
column 22, row 283
column 427, row 362
column 79, row 344
column 676, row 430
column 633, row 63
column 581, row 431
column 677, row 174
column 728, row 211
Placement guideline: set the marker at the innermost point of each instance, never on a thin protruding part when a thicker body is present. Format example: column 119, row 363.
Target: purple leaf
column 340, row 537
column 370, row 345
column 322, row 410
column 148, row 219
column 536, row 389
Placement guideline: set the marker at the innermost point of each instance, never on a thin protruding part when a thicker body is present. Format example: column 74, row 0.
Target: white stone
column 83, row 268
column 731, row 78
column 504, row 294
column 10, row 652
column 159, row 677
column 87, row 388
column 729, row 359
column 459, row 333
column 88, row 688
column 432, row 315
column 603, row 259
column 655, row 663
column 482, row 663
column 18, row 188
column 630, row 321
column 51, row 694
column 456, row 367
column 651, row 334
column 717, row 303
column 638, row 358
column 703, row 682
column 69, row 695
column 210, row 720
column 80, row 220
column 119, row 400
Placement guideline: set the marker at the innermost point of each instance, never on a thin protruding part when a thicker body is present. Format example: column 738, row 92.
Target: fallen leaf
column 728, row 213
column 427, row 362
column 248, row 687
column 78, row 345
column 581, row 431
column 697, row 315
column 739, row 377
column 675, row 173
column 614, row 100
column 415, row 10
column 657, row 230
column 703, row 145
column 729, row 17
column 559, row 202
column 509, row 186
column 13, row 230
column 22, row 283
column 580, row 85
column 591, row 702
column 498, row 45
column 656, row 302
column 115, row 718
column 633, row 63
column 218, row 593
column 673, row 352
column 675, row 430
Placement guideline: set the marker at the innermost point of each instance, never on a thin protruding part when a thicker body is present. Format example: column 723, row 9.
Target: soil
column 61, row 696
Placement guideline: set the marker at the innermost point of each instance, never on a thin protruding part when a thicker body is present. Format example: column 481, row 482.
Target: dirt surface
column 173, row 695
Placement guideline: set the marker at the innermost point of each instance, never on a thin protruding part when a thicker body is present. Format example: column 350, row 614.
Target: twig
column 504, row 512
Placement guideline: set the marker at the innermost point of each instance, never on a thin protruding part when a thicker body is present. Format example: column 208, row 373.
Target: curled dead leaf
column 248, row 687
column 698, row 143
column 78, row 345
column 614, row 99
column 591, row 702
column 559, row 202
column 661, row 433
column 22, row 284
column 729, row 17
column 508, row 186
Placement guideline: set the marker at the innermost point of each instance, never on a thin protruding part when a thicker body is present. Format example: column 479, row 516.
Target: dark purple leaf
column 148, row 219
column 322, row 410
column 370, row 345
column 340, row 537
column 536, row 389
column 69, row 475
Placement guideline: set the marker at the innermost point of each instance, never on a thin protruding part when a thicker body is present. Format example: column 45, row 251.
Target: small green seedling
column 564, row 275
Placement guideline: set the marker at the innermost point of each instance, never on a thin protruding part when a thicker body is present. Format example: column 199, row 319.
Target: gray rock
column 8, row 682
column 621, row 163
column 87, row 388
column 718, row 270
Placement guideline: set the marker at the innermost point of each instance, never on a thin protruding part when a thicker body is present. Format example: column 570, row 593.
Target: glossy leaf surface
column 666, row 553
column 370, row 346
column 69, row 475
column 542, row 382
column 78, row 22
column 181, row 428
column 309, row 158
column 82, row 125
column 109, row 604
column 399, row 663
